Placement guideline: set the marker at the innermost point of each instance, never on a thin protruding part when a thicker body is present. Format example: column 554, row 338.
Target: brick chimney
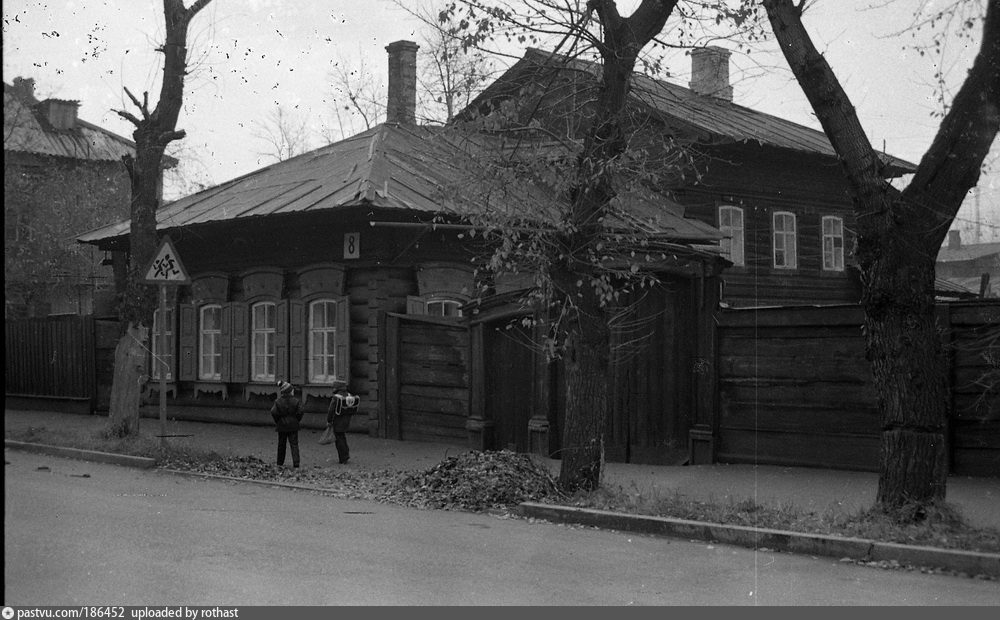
column 24, row 90
column 401, row 106
column 710, row 72
column 60, row 113
column 954, row 239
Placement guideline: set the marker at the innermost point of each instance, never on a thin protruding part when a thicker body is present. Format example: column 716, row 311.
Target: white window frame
column 732, row 243
column 209, row 345
column 162, row 360
column 785, row 246
column 833, row 243
column 263, row 342
column 445, row 304
column 322, row 340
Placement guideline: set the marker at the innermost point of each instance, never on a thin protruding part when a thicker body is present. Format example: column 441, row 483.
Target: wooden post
column 163, row 370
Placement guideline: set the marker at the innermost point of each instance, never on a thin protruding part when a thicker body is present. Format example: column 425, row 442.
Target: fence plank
column 795, row 387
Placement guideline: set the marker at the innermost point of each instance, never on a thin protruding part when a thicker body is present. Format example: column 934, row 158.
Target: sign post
column 166, row 269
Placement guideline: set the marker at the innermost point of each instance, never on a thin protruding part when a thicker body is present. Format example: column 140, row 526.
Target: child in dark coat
column 338, row 420
column 287, row 413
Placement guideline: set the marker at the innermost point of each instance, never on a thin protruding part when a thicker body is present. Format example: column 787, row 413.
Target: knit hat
column 284, row 387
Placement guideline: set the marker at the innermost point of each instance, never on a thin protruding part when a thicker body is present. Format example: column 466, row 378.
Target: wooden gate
column 651, row 386
column 424, row 364
column 509, row 362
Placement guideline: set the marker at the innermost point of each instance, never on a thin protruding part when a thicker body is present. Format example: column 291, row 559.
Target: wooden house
column 353, row 265
column 350, row 266
column 775, row 188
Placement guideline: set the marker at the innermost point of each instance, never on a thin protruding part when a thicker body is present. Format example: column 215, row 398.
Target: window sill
column 153, row 386
column 211, row 387
column 259, row 389
column 324, row 390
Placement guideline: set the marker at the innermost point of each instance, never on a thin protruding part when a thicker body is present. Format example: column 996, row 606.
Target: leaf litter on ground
column 474, row 481
column 500, row 480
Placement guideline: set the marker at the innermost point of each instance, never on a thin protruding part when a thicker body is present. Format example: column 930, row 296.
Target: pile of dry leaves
column 479, row 481
column 475, row 481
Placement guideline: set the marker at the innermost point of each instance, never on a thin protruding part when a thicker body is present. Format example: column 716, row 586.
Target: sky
column 252, row 56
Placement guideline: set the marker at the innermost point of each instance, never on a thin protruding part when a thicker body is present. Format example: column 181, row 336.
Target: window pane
column 263, row 342
column 784, row 240
column 731, row 226
column 210, row 359
column 833, row 244
column 322, row 341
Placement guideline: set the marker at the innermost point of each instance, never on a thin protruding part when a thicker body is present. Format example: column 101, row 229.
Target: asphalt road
column 80, row 533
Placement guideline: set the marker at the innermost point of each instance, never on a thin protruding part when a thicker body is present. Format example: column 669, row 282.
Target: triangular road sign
column 166, row 267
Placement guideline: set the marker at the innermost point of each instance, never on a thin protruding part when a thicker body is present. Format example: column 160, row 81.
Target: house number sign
column 352, row 245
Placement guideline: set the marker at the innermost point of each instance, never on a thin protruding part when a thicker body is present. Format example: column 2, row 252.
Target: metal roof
column 709, row 119
column 391, row 166
column 25, row 132
column 968, row 252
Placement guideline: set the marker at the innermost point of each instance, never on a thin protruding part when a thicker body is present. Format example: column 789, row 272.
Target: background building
column 62, row 176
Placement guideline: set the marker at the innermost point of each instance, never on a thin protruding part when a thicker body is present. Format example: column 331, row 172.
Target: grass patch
column 137, row 444
column 941, row 525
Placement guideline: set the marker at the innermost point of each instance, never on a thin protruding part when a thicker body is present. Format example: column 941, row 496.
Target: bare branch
column 143, row 105
column 129, row 117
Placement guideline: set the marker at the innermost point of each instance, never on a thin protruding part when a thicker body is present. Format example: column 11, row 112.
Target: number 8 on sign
column 352, row 245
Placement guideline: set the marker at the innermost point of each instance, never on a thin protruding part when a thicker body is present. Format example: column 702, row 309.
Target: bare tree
column 585, row 273
column 450, row 74
column 284, row 133
column 899, row 233
column 357, row 97
column 155, row 129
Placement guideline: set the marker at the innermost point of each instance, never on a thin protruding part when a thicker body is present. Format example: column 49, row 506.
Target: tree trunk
column 129, row 380
column 139, row 300
column 587, row 337
column 899, row 234
column 909, row 370
column 154, row 131
column 586, row 359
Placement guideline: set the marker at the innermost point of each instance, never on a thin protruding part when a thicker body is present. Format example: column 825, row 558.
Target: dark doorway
column 509, row 362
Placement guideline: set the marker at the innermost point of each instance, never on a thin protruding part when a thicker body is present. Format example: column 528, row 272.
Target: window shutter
column 281, row 340
column 240, row 340
column 226, row 341
column 188, row 343
column 296, row 342
column 342, row 355
column 416, row 305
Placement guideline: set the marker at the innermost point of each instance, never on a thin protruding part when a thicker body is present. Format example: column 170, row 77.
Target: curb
column 85, row 455
column 857, row 549
column 969, row 562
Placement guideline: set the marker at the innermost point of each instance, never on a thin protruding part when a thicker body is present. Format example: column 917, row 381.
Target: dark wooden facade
column 795, row 389
column 711, row 154
column 483, row 380
column 761, row 182
column 289, row 262
column 787, row 386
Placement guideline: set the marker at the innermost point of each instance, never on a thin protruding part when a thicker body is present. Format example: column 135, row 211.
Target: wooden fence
column 51, row 358
column 791, row 385
column 794, row 388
